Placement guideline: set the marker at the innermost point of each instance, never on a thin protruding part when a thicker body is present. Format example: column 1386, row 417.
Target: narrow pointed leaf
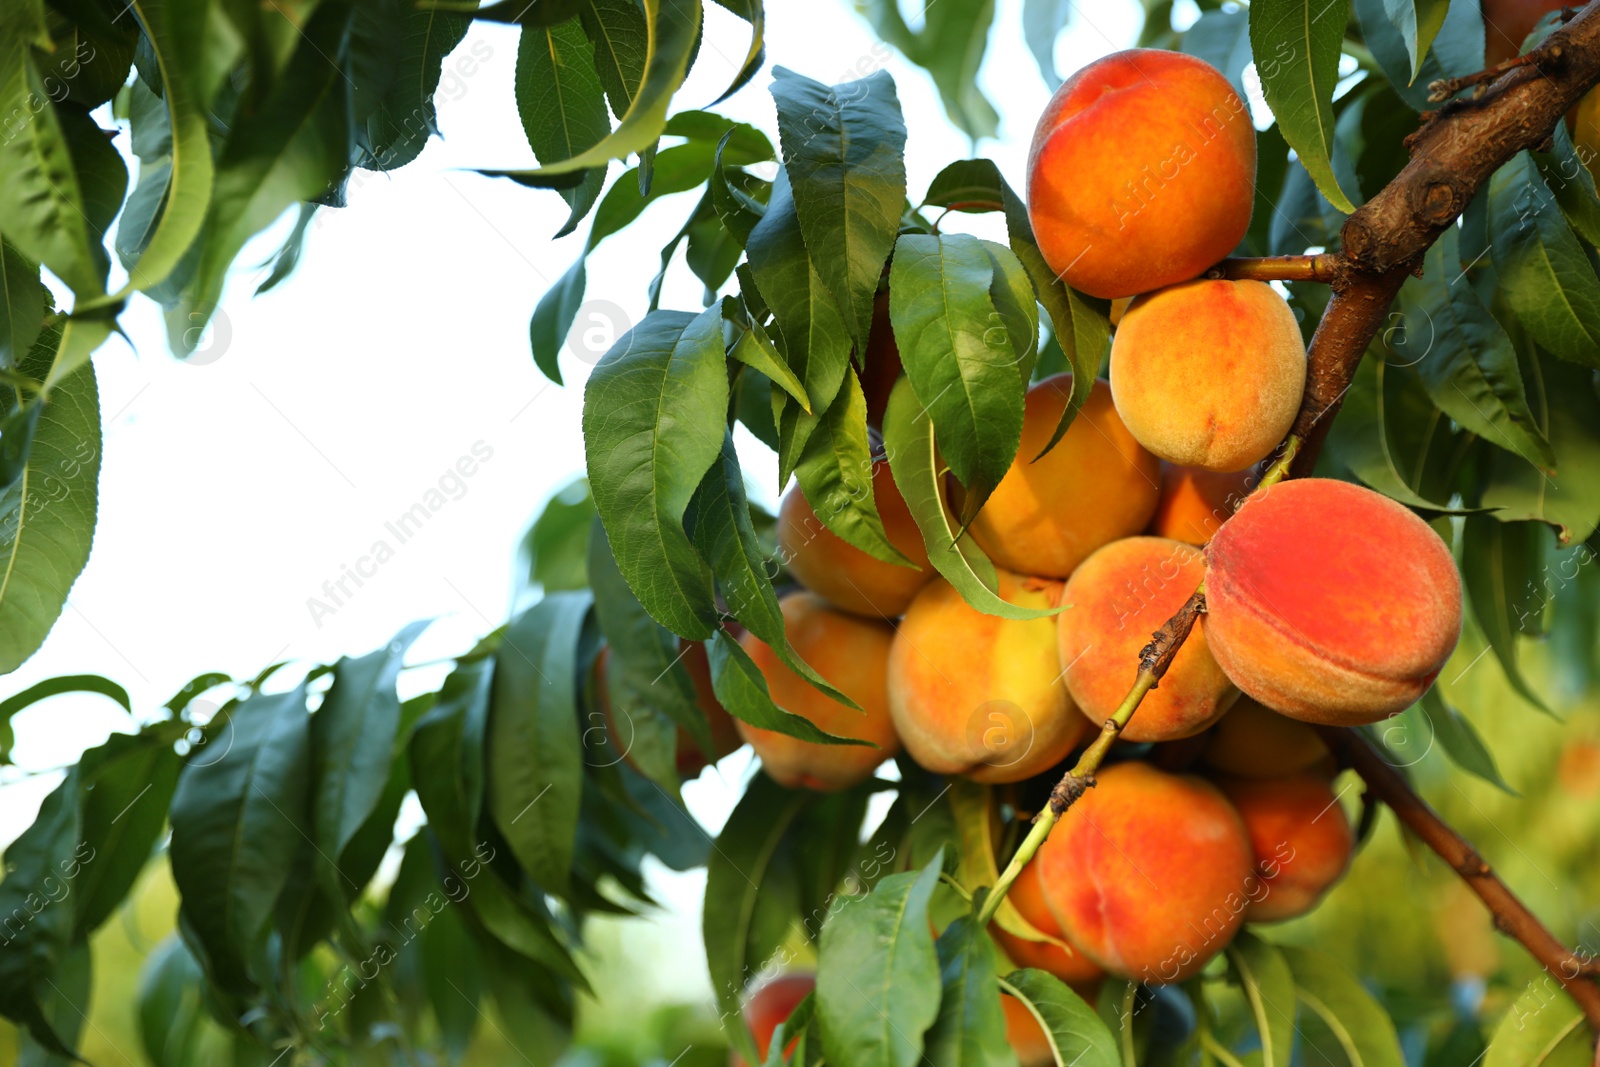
column 1299, row 89
column 1078, row 1038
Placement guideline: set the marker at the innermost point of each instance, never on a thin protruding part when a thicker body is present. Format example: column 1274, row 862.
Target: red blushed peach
column 852, row 653
column 1142, row 173
column 1196, row 502
column 1252, row 741
column 1330, row 603
column 1073, row 968
column 1301, row 838
column 1096, row 485
column 979, row 695
column 1209, row 373
column 1119, row 597
column 770, row 1004
column 840, row 572
column 1147, row 873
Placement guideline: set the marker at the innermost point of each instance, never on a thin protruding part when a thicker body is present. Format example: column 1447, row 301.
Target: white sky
column 231, row 491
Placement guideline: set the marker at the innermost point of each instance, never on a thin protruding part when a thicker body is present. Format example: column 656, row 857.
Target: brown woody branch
column 1318, row 268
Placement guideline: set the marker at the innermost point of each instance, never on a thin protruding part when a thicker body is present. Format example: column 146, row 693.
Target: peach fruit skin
column 1301, row 838
column 1148, row 874
column 1096, row 485
column 840, row 572
column 770, row 1004
column 1115, row 601
column 1025, row 1036
column 1073, row 968
column 1142, row 173
column 979, row 695
column 1253, row 741
column 1196, row 502
column 1331, row 603
column 852, row 653
column 1209, row 373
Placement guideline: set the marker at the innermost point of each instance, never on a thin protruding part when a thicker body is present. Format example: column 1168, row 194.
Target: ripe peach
column 837, row 570
column 1073, row 968
column 852, row 653
column 979, row 695
column 1252, row 741
column 1330, row 603
column 1209, row 373
column 881, row 366
column 690, row 760
column 1096, row 485
column 1507, row 23
column 770, row 1004
column 1195, row 501
column 1148, row 873
column 1301, row 838
column 1025, row 1036
column 1142, row 173
column 1116, row 600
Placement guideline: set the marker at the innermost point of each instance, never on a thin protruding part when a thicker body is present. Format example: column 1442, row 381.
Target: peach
column 1096, row 485
column 840, row 572
column 1252, row 741
column 768, row 1005
column 1142, row 173
column 1209, row 373
column 1073, row 968
column 1119, row 597
column 1507, row 23
column 690, row 760
column 1025, row 1036
column 1301, row 838
column 1195, row 501
column 852, row 653
column 881, row 367
column 979, row 695
column 1147, row 873
column 1330, row 603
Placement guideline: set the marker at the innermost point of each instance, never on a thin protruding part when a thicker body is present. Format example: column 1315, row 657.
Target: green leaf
column 453, row 972
column 1545, row 276
column 878, row 981
column 835, row 471
column 1268, row 989
column 295, row 147
column 740, row 688
column 1361, row 1026
column 950, row 45
column 552, row 319
column 1222, row 38
column 1299, row 87
column 534, row 751
column 446, row 753
column 753, row 12
column 975, row 809
column 553, row 553
column 129, row 783
column 67, row 683
column 738, row 210
column 562, row 105
column 970, row 1030
column 397, row 52
column 1418, row 23
column 914, row 462
column 736, row 871
column 352, row 737
column 1470, row 369
column 1457, row 49
column 726, row 538
column 673, row 28
column 1564, row 399
column 1077, row 1036
column 171, row 1005
column 843, row 151
column 37, row 865
column 962, row 368
column 653, row 415
column 755, row 349
column 1495, row 566
column 1544, row 1028
column 1460, row 739
column 170, row 27
column 22, row 305
column 621, row 40
column 1042, row 22
column 47, row 516
column 236, row 829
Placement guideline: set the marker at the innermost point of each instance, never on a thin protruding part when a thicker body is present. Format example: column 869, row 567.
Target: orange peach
column 1096, row 485
column 840, row 572
column 1142, row 173
column 1025, row 1036
column 690, row 760
column 1330, row 603
column 1073, row 968
column 1195, row 501
column 979, row 695
column 1301, row 838
column 1119, row 597
column 1209, row 373
column 768, row 1005
column 1147, row 875
column 1252, row 741
column 852, row 653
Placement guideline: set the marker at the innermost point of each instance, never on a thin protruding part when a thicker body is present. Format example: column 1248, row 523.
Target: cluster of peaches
column 1327, row 603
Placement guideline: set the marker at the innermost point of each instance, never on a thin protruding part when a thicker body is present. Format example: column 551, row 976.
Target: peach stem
column 1319, row 268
